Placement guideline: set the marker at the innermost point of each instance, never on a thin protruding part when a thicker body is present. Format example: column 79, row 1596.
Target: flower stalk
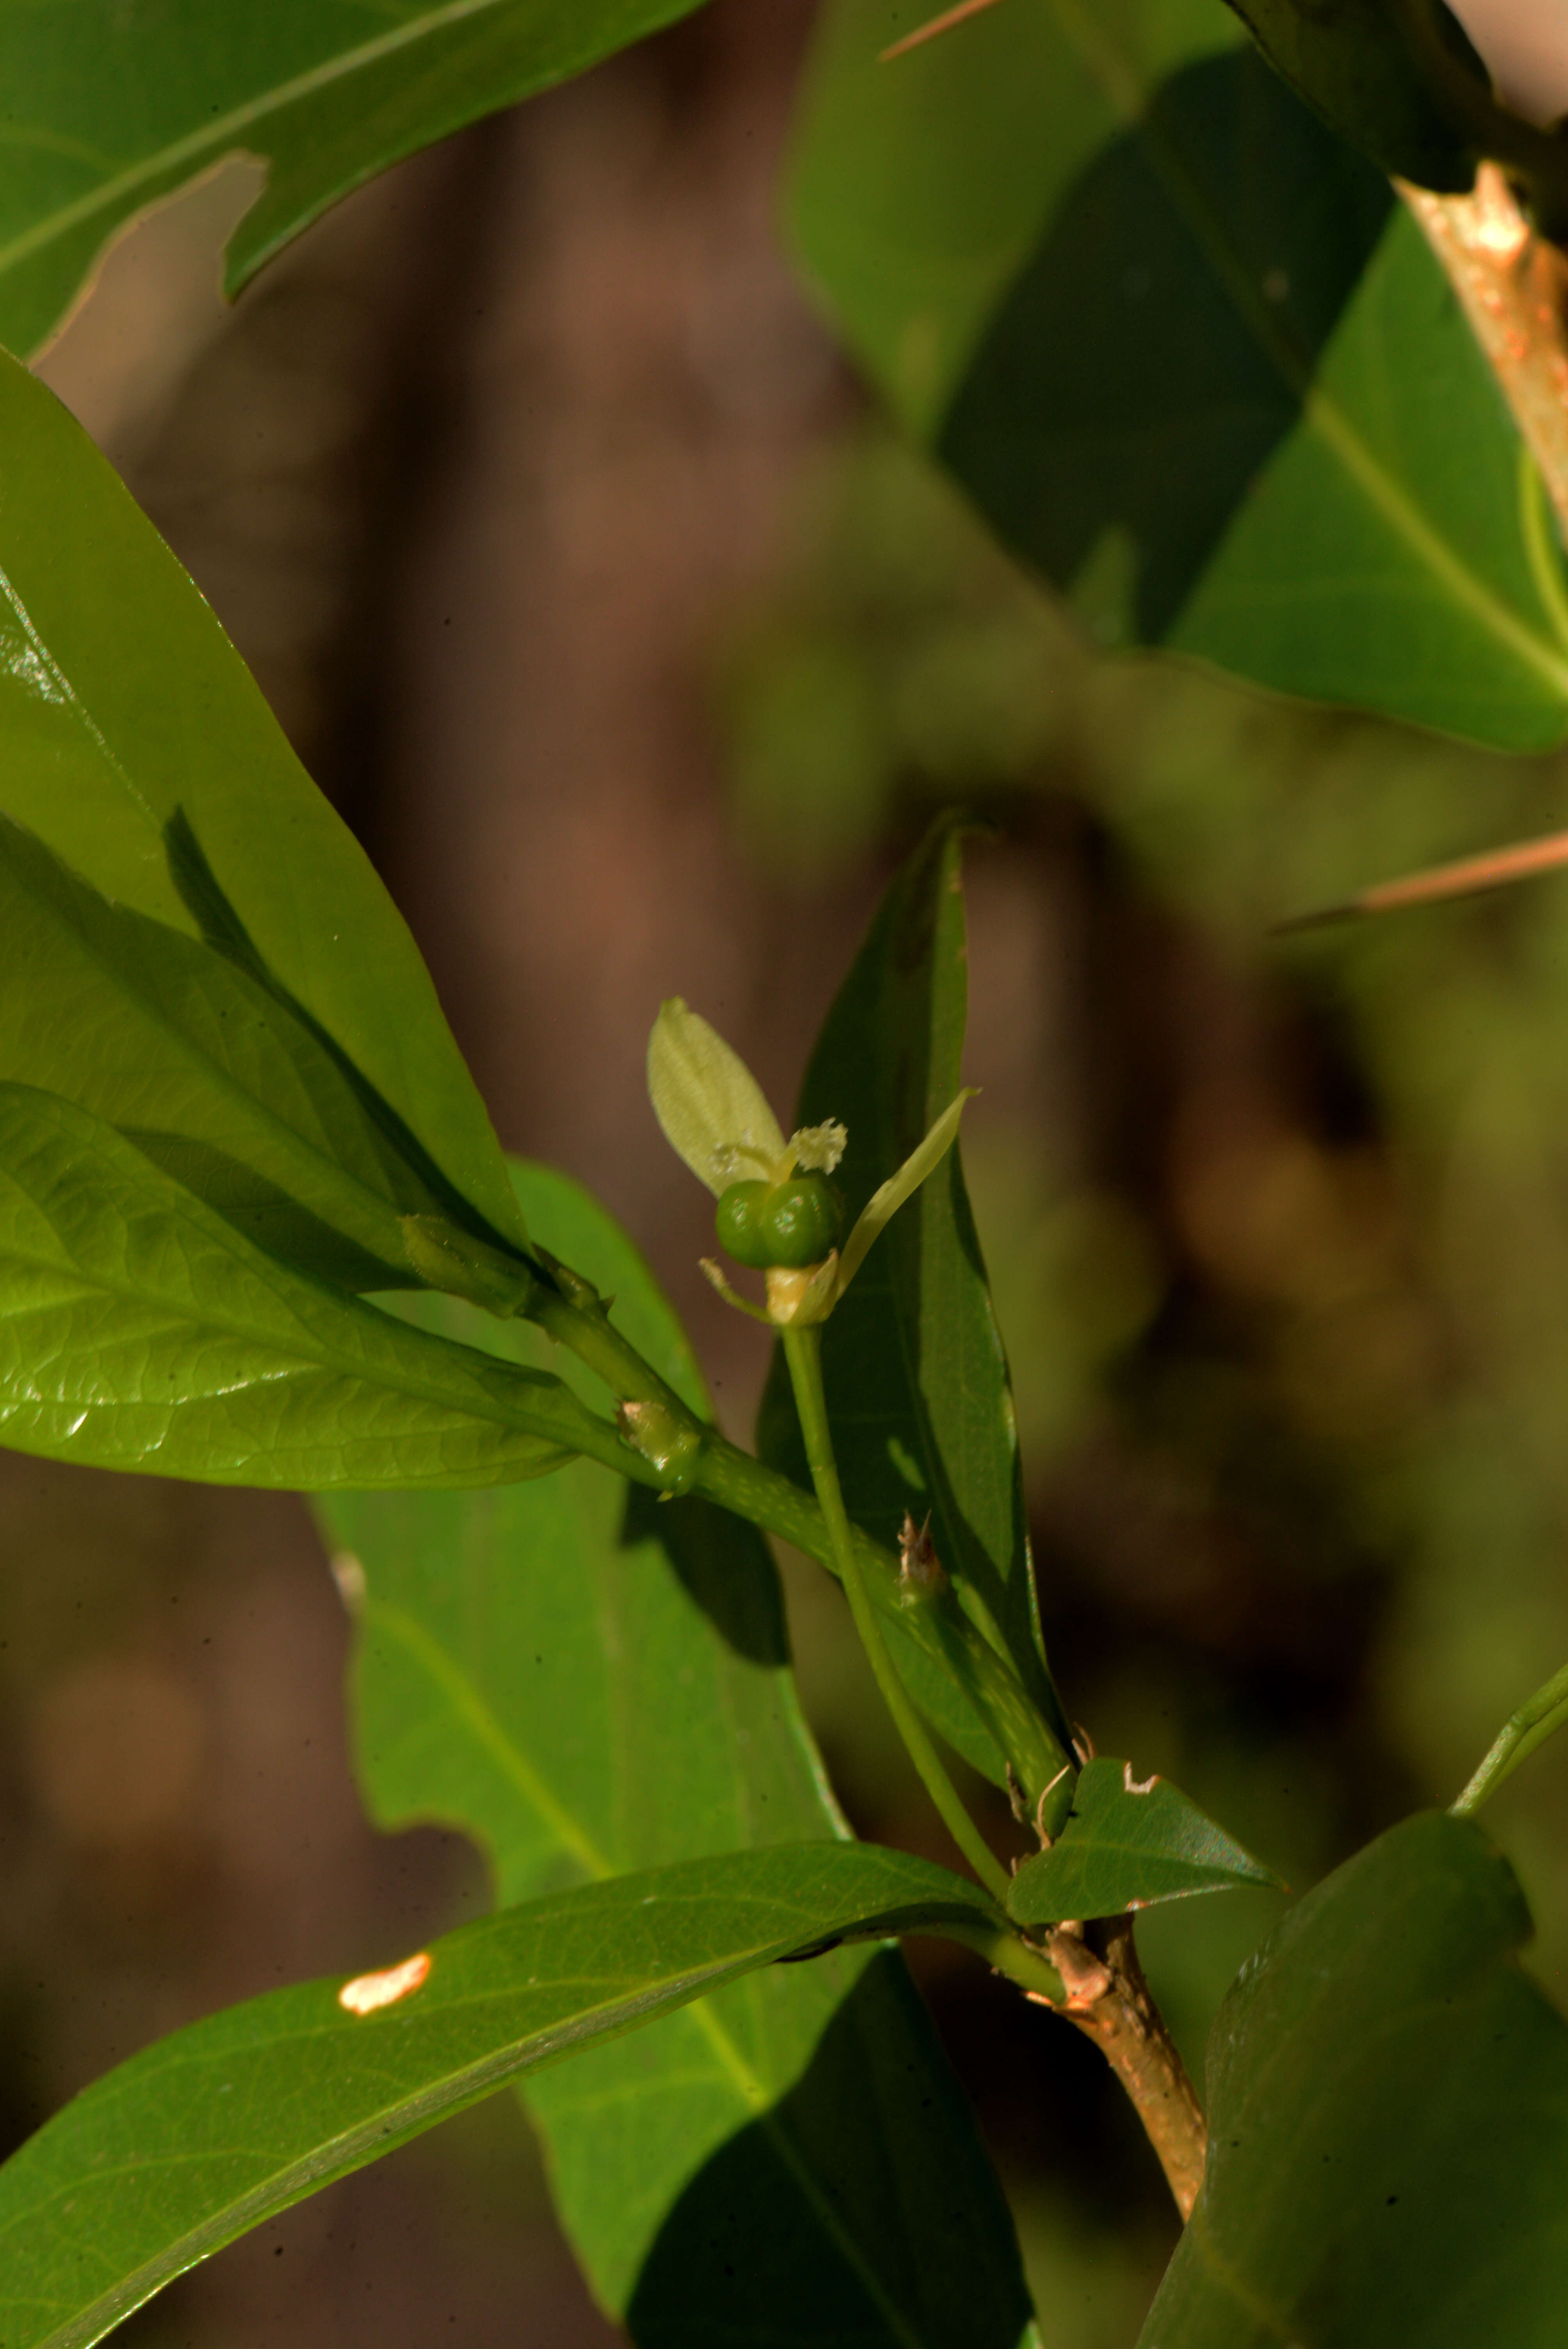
column 802, row 1353
column 1537, row 1719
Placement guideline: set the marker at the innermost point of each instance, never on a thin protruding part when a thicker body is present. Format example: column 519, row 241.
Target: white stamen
column 818, row 1148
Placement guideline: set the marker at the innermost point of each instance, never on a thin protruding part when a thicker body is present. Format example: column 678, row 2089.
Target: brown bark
column 1108, row 2000
column 1514, row 288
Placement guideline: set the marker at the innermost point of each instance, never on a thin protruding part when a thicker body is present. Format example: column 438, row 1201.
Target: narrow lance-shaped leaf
column 140, row 1331
column 1190, row 354
column 213, row 2129
column 111, row 108
column 585, row 1680
column 1128, row 1843
column 1389, row 2120
column 916, row 1379
column 135, row 744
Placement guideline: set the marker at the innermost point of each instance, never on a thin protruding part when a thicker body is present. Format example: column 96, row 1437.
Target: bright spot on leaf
column 349, row 1576
column 366, row 1992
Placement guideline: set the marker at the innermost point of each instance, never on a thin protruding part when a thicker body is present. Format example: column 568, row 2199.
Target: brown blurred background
column 634, row 649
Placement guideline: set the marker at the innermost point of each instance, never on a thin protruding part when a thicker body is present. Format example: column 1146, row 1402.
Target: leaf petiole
column 570, row 1310
column 1536, row 1720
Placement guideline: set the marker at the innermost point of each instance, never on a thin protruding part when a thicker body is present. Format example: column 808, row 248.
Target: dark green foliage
column 1183, row 346
column 1127, row 1844
column 915, row 1377
column 1389, row 2114
column 1387, row 75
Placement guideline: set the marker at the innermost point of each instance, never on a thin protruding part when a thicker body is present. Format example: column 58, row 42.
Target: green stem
column 748, row 1488
column 570, row 1310
column 1530, row 1727
column 803, row 1352
column 1009, row 1954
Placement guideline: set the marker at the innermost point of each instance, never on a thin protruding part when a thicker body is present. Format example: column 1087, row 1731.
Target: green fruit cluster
column 790, row 1224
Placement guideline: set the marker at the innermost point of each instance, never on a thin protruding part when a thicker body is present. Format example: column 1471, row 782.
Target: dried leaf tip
column 920, row 1574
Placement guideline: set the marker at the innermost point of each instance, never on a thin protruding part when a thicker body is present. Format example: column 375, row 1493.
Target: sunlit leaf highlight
column 212, row 2130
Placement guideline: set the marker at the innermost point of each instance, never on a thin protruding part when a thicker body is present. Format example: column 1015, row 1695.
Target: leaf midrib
column 331, row 2160
column 1129, row 96
column 457, row 1684
column 479, row 1403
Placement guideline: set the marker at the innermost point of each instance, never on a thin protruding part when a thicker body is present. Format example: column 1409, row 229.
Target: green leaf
column 134, row 744
column 916, row 1379
column 586, row 1680
column 139, row 1330
column 210, row 2131
column 109, row 108
column 1406, row 85
column 1126, row 1845
column 1368, row 70
column 1389, row 2121
column 224, row 1086
column 1187, row 352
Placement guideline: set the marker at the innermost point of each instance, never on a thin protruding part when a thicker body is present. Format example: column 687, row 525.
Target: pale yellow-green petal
column 715, row 1273
column 885, row 1203
column 708, row 1102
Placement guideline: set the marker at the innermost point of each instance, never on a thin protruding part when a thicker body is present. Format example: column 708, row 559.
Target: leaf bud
column 651, row 1428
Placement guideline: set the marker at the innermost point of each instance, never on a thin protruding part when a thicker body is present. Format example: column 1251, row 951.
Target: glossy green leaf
column 210, row 2131
column 912, row 1365
column 1127, row 1844
column 1387, row 2121
column 586, row 1680
column 1188, row 353
column 139, row 1330
column 135, row 744
column 108, row 108
column 222, row 1084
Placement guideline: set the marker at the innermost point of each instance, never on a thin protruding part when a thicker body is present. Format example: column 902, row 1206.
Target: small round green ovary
column 790, row 1224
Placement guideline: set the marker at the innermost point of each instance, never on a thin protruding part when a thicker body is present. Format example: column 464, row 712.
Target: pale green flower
column 716, row 1116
